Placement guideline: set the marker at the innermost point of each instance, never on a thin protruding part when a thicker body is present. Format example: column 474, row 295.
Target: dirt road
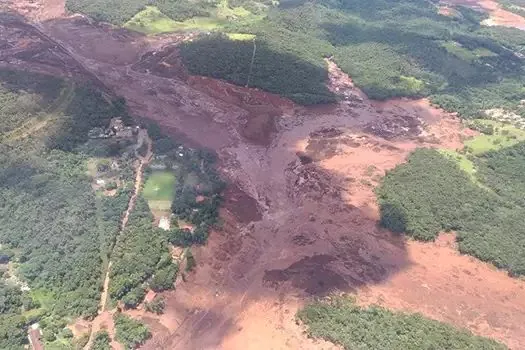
column 104, row 320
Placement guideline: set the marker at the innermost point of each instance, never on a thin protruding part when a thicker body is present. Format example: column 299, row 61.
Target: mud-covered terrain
column 300, row 215
column 498, row 16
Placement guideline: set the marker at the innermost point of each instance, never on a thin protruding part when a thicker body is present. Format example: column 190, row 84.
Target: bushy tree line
column 430, row 194
column 112, row 11
column 141, row 256
column 516, row 6
column 102, row 341
column 343, row 322
column 130, row 332
column 275, row 67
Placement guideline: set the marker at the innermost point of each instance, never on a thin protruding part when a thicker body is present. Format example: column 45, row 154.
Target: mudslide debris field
column 300, row 218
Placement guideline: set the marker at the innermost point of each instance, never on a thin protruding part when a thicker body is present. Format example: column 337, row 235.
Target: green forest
column 129, row 332
column 57, row 232
column 431, row 193
column 343, row 322
column 141, row 258
column 56, row 227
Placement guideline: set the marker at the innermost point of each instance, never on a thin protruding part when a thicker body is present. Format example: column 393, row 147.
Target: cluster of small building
column 116, row 129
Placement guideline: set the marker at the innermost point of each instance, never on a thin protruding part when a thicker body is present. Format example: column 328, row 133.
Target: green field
column 461, row 52
column 501, row 136
column 240, row 36
column 159, row 189
column 152, row 21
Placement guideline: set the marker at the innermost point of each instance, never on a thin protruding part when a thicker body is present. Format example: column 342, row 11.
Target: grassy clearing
column 499, row 136
column 464, row 53
column 159, row 206
column 240, row 36
column 464, row 163
column 160, row 188
column 152, row 21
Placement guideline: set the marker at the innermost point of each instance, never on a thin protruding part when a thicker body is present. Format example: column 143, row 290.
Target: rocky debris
column 397, row 126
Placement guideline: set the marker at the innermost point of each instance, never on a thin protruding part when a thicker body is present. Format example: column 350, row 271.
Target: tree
column 157, row 305
column 134, row 297
column 101, row 341
column 129, row 332
column 190, row 260
column 164, row 278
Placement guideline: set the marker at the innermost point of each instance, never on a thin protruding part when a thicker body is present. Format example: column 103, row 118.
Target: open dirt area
column 300, row 216
column 498, row 15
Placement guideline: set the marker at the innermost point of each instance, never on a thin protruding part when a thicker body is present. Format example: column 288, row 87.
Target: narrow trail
column 104, row 319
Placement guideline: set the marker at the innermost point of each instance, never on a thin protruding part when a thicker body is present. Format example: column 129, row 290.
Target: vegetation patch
column 515, row 6
column 431, row 193
column 465, row 54
column 462, row 160
column 495, row 135
column 151, row 21
column 61, row 245
column 240, row 36
column 343, row 322
column 130, row 332
column 101, row 341
column 298, row 80
column 397, row 77
column 160, row 186
column 141, row 259
column 112, row 11
column 405, row 48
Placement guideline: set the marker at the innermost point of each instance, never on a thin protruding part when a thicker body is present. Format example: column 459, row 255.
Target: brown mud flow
column 300, row 218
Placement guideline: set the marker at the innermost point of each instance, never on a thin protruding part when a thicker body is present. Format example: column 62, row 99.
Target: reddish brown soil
column 38, row 10
column 498, row 16
column 301, row 218
column 259, row 125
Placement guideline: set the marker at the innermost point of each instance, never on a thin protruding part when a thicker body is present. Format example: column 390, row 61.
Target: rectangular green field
column 160, row 186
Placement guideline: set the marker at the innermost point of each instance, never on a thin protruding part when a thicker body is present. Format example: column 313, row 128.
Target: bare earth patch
column 498, row 15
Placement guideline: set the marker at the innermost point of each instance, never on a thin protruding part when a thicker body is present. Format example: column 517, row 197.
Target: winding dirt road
column 104, row 319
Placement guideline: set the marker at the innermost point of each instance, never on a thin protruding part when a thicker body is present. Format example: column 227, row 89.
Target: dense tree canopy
column 430, row 194
column 13, row 326
column 56, row 228
column 129, row 332
column 141, row 252
column 101, row 341
column 354, row 327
